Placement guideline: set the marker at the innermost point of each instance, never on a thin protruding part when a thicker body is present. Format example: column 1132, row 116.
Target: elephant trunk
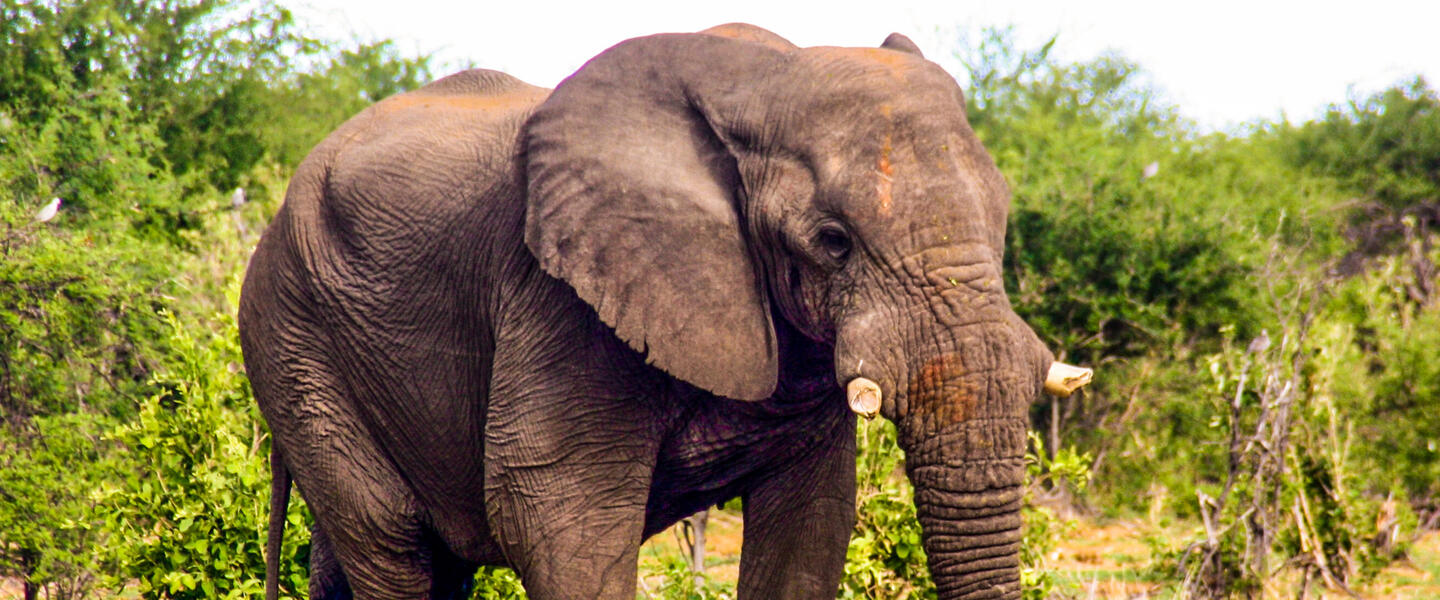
column 964, row 441
column 969, row 514
column 972, row 540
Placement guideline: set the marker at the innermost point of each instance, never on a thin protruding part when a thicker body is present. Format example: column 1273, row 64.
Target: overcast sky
column 1222, row 62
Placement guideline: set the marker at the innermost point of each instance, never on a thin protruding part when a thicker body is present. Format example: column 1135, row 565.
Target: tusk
column 864, row 396
column 1064, row 379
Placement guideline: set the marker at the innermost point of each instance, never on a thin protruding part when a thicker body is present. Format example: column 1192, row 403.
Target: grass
column 1414, row 578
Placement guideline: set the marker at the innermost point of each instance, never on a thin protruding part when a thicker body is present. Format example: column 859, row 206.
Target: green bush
column 679, row 582
column 312, row 104
column 1102, row 260
column 1385, row 147
column 1386, row 375
column 78, row 323
column 50, row 473
column 885, row 558
column 198, row 71
column 1156, row 253
column 142, row 118
column 189, row 520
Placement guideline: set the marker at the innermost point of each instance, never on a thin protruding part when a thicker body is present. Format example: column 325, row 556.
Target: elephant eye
column 834, row 240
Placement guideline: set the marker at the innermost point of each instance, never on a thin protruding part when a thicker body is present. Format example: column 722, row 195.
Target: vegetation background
column 1260, row 305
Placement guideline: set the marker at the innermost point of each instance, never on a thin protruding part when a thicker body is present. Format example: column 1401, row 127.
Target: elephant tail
column 279, row 501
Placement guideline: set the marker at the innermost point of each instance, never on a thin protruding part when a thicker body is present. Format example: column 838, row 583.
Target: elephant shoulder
column 478, row 83
column 478, row 99
column 426, row 138
column 436, row 148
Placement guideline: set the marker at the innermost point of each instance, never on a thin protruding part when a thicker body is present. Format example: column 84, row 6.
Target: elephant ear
column 633, row 201
column 899, row 42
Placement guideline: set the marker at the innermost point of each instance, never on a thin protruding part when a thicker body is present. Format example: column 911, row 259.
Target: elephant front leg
column 567, row 480
column 798, row 524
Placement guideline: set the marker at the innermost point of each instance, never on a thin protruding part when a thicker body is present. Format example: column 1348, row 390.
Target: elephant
column 495, row 324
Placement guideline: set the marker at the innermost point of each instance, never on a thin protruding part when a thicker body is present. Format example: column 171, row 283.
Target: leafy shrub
column 1103, row 260
column 1311, row 467
column 1385, row 147
column 80, row 331
column 1139, row 246
column 49, row 475
column 497, row 583
column 77, row 323
column 196, row 70
column 309, row 105
column 679, row 582
column 885, row 558
column 190, row 520
column 133, row 115
column 1386, row 331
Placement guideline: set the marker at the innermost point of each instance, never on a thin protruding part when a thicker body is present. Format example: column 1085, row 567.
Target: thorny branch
column 1258, row 416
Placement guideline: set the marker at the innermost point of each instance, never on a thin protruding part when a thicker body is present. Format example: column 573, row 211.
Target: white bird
column 237, row 198
column 1150, row 170
column 49, row 211
column 1259, row 344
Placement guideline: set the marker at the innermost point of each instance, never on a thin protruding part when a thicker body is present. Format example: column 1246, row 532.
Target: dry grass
column 1112, row 561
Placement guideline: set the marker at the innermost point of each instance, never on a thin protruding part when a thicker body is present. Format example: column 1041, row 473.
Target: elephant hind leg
column 327, row 580
column 453, row 578
column 371, row 522
column 369, row 525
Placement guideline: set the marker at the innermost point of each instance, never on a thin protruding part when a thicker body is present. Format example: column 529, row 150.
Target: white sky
column 1222, row 62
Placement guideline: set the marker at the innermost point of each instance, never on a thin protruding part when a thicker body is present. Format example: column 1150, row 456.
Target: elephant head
column 694, row 188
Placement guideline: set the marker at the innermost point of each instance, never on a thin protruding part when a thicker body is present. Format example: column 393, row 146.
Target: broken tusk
column 864, row 396
column 1064, row 379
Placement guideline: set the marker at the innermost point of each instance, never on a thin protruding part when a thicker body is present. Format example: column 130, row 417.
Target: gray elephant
column 494, row 324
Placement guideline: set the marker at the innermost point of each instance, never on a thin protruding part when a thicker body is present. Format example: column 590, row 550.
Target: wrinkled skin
column 496, row 325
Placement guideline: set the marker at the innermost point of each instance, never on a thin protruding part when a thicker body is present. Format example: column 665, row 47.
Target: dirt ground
column 1096, row 561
